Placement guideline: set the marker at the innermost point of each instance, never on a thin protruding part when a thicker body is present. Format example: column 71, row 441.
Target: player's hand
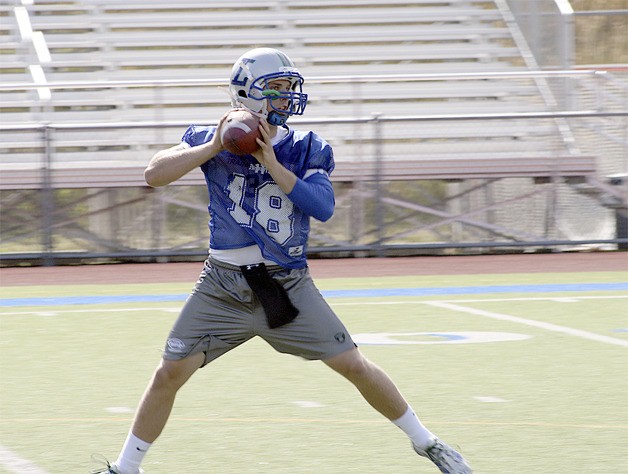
column 265, row 153
column 216, row 141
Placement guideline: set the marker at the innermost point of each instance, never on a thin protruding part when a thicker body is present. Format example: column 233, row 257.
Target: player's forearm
column 171, row 164
column 284, row 178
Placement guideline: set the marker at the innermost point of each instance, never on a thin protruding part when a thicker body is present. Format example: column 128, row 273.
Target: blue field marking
column 74, row 300
column 362, row 293
column 447, row 337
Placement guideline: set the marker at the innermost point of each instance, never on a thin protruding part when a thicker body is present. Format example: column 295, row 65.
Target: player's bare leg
column 380, row 392
column 372, row 382
column 154, row 410
column 158, row 399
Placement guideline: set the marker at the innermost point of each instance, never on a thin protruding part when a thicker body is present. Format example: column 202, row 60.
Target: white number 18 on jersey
column 273, row 209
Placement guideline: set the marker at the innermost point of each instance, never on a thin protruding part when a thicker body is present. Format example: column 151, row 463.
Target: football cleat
column 107, row 468
column 446, row 458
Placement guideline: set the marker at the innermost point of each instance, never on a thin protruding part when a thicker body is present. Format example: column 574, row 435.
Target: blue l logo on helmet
column 236, row 79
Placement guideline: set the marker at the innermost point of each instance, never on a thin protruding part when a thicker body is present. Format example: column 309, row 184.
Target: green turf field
column 554, row 400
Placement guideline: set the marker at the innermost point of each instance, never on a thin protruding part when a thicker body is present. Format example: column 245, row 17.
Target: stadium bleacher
column 95, row 39
column 118, row 40
column 401, row 89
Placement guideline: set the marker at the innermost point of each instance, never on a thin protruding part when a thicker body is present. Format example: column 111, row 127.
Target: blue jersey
column 246, row 206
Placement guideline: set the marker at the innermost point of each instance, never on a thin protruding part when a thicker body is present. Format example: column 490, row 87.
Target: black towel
column 273, row 297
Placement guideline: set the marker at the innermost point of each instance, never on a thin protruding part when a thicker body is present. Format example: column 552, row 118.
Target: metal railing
column 139, row 223
column 378, row 215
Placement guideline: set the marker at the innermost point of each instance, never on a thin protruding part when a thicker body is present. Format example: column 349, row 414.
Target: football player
column 255, row 281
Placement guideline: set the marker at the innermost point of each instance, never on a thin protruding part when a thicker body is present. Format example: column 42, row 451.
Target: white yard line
column 13, row 463
column 531, row 322
column 559, row 299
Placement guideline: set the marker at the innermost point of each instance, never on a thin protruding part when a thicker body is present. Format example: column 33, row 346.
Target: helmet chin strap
column 276, row 119
column 273, row 117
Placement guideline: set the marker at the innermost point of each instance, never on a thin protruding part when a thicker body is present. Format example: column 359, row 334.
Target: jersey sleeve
column 195, row 135
column 315, row 196
column 188, row 136
column 321, row 156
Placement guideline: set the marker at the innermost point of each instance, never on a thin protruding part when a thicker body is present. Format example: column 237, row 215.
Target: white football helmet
column 248, row 86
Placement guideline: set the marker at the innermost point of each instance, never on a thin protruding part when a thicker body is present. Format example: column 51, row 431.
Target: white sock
column 132, row 454
column 410, row 424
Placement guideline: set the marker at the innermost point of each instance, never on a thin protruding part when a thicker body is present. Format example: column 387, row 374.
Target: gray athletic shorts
column 222, row 312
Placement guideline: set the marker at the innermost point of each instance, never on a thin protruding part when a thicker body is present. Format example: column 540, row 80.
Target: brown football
column 240, row 131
